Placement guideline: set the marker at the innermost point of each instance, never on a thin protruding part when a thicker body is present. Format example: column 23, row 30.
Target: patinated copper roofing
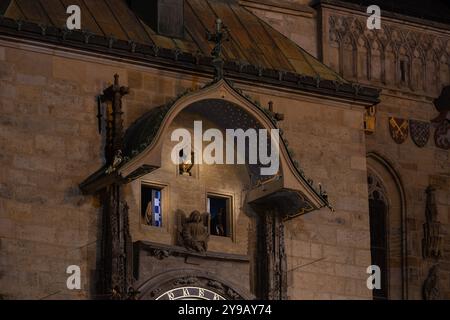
column 252, row 40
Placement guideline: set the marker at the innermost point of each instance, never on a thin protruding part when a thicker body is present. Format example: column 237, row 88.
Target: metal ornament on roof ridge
column 114, row 120
column 221, row 34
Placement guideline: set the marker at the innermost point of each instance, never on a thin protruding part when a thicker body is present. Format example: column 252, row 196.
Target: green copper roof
column 252, row 41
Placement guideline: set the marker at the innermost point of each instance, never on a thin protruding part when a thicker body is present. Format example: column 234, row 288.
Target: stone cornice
column 162, row 251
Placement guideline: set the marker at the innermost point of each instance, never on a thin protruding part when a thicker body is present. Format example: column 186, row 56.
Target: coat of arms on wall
column 420, row 132
column 399, row 129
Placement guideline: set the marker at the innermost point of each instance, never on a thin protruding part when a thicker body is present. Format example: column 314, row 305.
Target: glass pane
column 157, row 218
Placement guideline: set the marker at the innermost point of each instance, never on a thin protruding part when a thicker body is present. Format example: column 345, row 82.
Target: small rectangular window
column 151, row 205
column 220, row 210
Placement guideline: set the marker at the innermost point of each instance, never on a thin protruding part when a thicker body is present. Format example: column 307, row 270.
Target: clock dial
column 190, row 293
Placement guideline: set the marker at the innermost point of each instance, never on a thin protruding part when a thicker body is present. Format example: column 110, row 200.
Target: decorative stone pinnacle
column 114, row 121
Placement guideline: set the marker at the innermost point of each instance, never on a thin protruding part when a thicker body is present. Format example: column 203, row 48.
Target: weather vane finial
column 221, row 34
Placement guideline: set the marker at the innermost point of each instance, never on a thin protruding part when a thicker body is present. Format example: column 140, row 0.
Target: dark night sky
column 437, row 10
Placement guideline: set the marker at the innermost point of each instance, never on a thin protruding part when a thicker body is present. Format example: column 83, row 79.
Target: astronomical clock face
column 190, row 293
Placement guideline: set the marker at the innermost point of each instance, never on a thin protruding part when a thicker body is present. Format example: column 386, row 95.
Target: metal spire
column 221, row 34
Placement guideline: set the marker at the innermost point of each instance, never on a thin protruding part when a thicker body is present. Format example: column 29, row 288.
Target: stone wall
column 50, row 144
column 377, row 57
column 417, row 168
column 49, row 134
column 373, row 58
column 328, row 253
column 190, row 193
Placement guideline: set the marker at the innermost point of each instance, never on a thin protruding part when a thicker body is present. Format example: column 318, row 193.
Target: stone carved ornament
column 160, row 254
column 376, row 189
column 193, row 230
column 351, row 32
column 431, row 246
column 431, row 289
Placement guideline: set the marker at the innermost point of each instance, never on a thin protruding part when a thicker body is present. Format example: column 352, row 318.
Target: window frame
column 164, row 205
column 230, row 213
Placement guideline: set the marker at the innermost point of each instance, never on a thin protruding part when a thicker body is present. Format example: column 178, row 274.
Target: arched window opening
column 378, row 208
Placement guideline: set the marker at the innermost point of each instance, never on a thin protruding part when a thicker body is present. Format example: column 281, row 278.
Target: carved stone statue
column 431, row 284
column 432, row 241
column 431, row 209
column 193, row 231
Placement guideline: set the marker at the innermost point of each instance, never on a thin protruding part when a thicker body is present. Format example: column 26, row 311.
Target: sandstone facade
column 50, row 144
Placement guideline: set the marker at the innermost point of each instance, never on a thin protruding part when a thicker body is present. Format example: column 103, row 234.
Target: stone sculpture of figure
column 431, row 284
column 431, row 209
column 193, row 231
column 218, row 37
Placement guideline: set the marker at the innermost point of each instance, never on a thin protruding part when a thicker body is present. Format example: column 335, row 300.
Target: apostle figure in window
column 218, row 227
column 149, row 214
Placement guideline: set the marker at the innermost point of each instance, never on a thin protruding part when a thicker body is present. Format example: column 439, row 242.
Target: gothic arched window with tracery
column 378, row 210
